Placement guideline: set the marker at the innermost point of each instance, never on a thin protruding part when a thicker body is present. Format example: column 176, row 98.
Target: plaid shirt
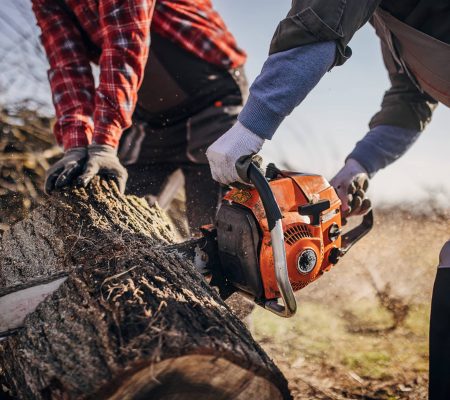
column 116, row 35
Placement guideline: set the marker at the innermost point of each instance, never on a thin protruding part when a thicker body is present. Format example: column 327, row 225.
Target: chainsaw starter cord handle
column 274, row 216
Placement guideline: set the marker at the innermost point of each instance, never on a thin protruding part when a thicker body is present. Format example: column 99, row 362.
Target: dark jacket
column 405, row 104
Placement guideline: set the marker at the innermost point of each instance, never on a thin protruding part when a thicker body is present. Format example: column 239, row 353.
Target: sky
column 319, row 133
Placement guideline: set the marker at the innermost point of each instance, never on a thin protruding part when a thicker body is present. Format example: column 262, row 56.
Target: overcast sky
column 319, row 134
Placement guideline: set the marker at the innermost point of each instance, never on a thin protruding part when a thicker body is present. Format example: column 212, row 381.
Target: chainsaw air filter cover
column 311, row 224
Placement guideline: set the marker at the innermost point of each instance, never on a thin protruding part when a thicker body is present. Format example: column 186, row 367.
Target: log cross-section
column 132, row 320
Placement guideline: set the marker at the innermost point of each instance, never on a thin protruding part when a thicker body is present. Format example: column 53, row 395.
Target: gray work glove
column 103, row 160
column 351, row 184
column 225, row 152
column 64, row 171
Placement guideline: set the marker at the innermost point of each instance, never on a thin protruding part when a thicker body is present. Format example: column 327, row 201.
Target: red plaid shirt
column 121, row 29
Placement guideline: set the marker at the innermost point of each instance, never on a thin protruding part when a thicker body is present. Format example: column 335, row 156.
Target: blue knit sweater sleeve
column 285, row 80
column 382, row 146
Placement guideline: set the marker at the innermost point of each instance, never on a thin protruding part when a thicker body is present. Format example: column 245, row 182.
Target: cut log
column 132, row 321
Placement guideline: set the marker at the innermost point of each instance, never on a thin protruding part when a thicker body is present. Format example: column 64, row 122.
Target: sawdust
column 369, row 339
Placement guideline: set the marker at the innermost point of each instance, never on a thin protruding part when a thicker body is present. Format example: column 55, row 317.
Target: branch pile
column 26, row 150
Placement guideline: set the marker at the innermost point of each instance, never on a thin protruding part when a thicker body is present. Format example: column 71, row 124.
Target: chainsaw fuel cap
column 306, row 261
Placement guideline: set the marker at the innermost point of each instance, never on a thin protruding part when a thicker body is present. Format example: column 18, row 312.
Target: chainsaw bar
column 17, row 301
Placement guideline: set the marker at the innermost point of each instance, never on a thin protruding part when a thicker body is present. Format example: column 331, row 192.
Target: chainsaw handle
column 274, row 216
column 273, row 213
column 351, row 237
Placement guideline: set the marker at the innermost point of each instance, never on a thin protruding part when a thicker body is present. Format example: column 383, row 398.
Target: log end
column 200, row 377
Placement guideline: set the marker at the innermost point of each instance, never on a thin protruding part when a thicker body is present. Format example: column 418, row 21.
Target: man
column 190, row 92
column 415, row 39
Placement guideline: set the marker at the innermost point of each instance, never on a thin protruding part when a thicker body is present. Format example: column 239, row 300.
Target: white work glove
column 228, row 149
column 351, row 184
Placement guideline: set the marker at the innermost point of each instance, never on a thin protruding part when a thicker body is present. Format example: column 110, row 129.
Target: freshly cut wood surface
column 132, row 321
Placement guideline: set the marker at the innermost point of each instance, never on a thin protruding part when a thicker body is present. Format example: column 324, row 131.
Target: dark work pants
column 152, row 154
column 184, row 105
column 439, row 388
column 202, row 193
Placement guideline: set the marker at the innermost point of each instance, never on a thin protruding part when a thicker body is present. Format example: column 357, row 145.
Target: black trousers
column 439, row 386
column 184, row 105
column 152, row 154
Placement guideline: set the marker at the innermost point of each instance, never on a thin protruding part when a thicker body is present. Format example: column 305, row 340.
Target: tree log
column 132, row 321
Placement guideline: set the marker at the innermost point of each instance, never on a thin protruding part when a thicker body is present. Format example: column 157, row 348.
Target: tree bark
column 132, row 321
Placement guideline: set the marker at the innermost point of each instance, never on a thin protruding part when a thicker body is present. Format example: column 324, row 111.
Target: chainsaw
column 270, row 239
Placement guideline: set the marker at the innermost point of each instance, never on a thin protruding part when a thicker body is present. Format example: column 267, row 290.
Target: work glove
column 103, row 160
column 351, row 184
column 64, row 171
column 224, row 153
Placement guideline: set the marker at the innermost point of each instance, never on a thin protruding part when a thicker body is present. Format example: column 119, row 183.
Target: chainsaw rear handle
column 357, row 233
column 274, row 216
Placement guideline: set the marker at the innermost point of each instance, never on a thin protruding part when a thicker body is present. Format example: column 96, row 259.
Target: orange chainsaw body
column 309, row 241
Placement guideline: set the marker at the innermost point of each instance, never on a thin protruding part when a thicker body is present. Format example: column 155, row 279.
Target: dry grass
column 26, row 150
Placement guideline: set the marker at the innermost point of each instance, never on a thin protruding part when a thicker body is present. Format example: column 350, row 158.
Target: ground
column 361, row 331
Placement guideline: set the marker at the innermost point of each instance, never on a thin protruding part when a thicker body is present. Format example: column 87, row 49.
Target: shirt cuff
column 259, row 118
column 363, row 154
column 110, row 140
column 71, row 134
column 107, row 134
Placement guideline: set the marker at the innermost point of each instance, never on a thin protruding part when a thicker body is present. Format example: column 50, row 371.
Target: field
column 362, row 330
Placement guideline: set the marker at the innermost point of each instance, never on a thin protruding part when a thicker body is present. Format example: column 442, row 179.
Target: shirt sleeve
column 70, row 75
column 125, row 25
column 286, row 79
column 404, row 105
column 383, row 145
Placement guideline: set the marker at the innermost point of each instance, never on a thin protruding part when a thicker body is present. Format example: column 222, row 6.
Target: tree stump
column 132, row 321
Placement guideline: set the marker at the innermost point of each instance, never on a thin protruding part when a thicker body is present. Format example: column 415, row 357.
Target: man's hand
column 64, row 171
column 103, row 160
column 351, row 184
column 228, row 149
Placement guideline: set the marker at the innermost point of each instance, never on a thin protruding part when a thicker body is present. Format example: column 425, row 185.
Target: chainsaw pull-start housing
column 309, row 230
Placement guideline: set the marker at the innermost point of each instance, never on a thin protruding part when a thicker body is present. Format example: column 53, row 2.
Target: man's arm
column 405, row 112
column 125, row 27
column 382, row 146
column 70, row 74
column 286, row 79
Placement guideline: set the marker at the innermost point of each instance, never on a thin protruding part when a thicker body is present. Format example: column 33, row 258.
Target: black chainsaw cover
column 238, row 241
